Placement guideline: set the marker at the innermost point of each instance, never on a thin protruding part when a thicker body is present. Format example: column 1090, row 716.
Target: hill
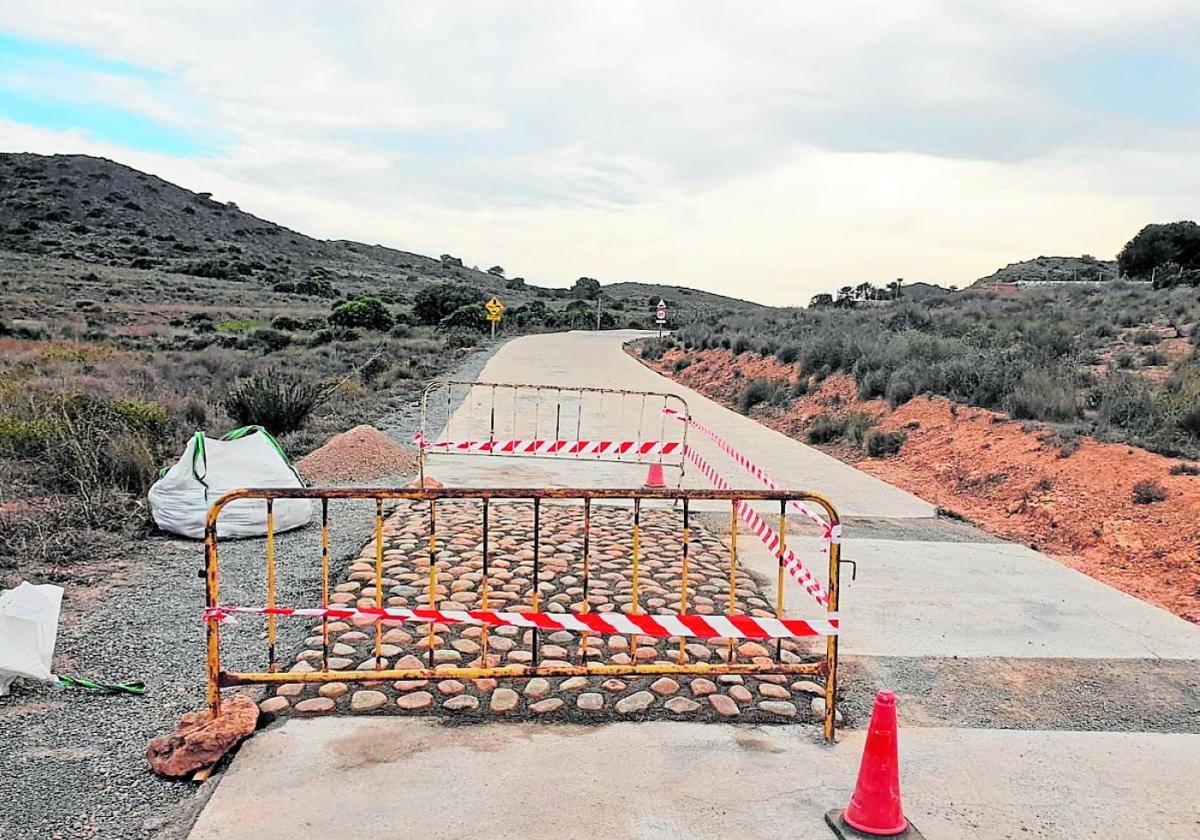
column 1051, row 269
column 921, row 291
column 99, row 212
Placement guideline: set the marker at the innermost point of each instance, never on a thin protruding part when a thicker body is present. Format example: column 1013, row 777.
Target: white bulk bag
column 28, row 630
column 209, row 467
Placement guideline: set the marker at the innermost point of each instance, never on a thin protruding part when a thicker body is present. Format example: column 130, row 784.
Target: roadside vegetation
column 1115, row 360
column 97, row 397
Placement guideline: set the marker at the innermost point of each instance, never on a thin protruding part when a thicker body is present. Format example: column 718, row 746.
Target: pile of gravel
column 362, row 454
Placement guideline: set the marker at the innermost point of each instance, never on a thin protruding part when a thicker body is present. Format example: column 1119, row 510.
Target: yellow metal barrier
column 825, row 666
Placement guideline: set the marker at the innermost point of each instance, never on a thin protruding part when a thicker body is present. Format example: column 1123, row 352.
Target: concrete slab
column 376, row 778
column 918, row 598
column 586, row 359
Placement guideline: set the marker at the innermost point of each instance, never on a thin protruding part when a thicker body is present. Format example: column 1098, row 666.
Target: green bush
column 461, row 338
column 88, row 445
column 237, row 325
column 367, row 312
column 654, row 349
column 270, row 340
column 286, row 323
column 1043, row 396
column 470, row 317
column 279, row 401
column 434, row 303
column 858, row 424
column 20, row 438
column 826, row 428
column 759, row 391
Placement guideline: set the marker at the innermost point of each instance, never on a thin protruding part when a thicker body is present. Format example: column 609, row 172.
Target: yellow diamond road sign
column 494, row 309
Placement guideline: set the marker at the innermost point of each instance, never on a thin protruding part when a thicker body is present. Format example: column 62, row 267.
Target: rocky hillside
column 1053, row 269
column 95, row 211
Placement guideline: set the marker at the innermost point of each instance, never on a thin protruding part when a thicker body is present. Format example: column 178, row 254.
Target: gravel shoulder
column 74, row 762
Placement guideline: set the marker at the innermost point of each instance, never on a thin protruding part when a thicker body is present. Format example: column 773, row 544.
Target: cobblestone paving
column 766, row 698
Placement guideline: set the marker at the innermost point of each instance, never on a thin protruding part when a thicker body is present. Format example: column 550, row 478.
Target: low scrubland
column 1115, row 361
column 94, row 404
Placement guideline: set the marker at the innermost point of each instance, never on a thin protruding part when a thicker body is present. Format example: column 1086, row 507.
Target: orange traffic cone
column 654, row 478
column 875, row 808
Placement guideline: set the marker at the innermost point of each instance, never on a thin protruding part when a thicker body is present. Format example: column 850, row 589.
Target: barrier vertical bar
column 641, row 424
column 432, row 572
column 379, row 602
column 537, row 561
column 325, row 583
column 637, row 545
column 558, row 415
column 579, row 418
column 423, row 439
column 587, row 568
column 831, row 642
column 492, row 421
column 599, row 422
column 684, row 580
column 212, row 628
column 271, row 584
column 732, row 605
column 779, row 573
column 483, row 633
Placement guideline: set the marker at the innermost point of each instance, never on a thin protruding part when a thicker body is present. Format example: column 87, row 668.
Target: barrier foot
column 846, row 832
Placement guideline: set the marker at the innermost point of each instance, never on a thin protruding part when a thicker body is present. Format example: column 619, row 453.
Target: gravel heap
column 360, row 454
column 766, row 698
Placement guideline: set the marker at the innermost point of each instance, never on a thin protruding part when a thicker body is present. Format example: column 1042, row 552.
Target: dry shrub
column 278, row 401
column 50, row 540
column 1148, row 492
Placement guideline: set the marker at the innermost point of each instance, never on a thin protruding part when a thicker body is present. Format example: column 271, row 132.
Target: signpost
column 660, row 315
column 494, row 310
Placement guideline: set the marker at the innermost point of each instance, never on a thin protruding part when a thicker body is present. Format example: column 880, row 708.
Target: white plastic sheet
column 28, row 631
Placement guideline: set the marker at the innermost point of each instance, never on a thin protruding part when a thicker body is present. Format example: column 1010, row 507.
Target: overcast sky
column 764, row 150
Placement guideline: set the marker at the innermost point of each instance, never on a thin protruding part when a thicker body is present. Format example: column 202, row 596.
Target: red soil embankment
column 1009, row 477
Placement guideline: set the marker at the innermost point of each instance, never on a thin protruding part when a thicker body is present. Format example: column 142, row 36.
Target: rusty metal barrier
column 506, row 411
column 825, row 666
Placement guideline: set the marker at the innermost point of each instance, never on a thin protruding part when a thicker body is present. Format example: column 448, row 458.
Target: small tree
column 496, row 270
column 366, row 312
column 586, row 287
column 434, row 303
column 821, row 301
column 1158, row 245
column 472, row 316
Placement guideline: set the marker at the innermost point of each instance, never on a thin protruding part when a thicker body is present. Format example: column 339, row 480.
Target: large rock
column 200, row 741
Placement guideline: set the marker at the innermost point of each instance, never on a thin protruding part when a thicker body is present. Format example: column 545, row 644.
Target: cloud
column 778, row 148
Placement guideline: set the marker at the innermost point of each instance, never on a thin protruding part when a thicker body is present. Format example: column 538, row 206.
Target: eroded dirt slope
column 1074, row 502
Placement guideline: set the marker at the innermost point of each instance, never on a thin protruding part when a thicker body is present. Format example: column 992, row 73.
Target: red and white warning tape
column 555, row 447
column 832, row 533
column 763, row 531
column 690, row 625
